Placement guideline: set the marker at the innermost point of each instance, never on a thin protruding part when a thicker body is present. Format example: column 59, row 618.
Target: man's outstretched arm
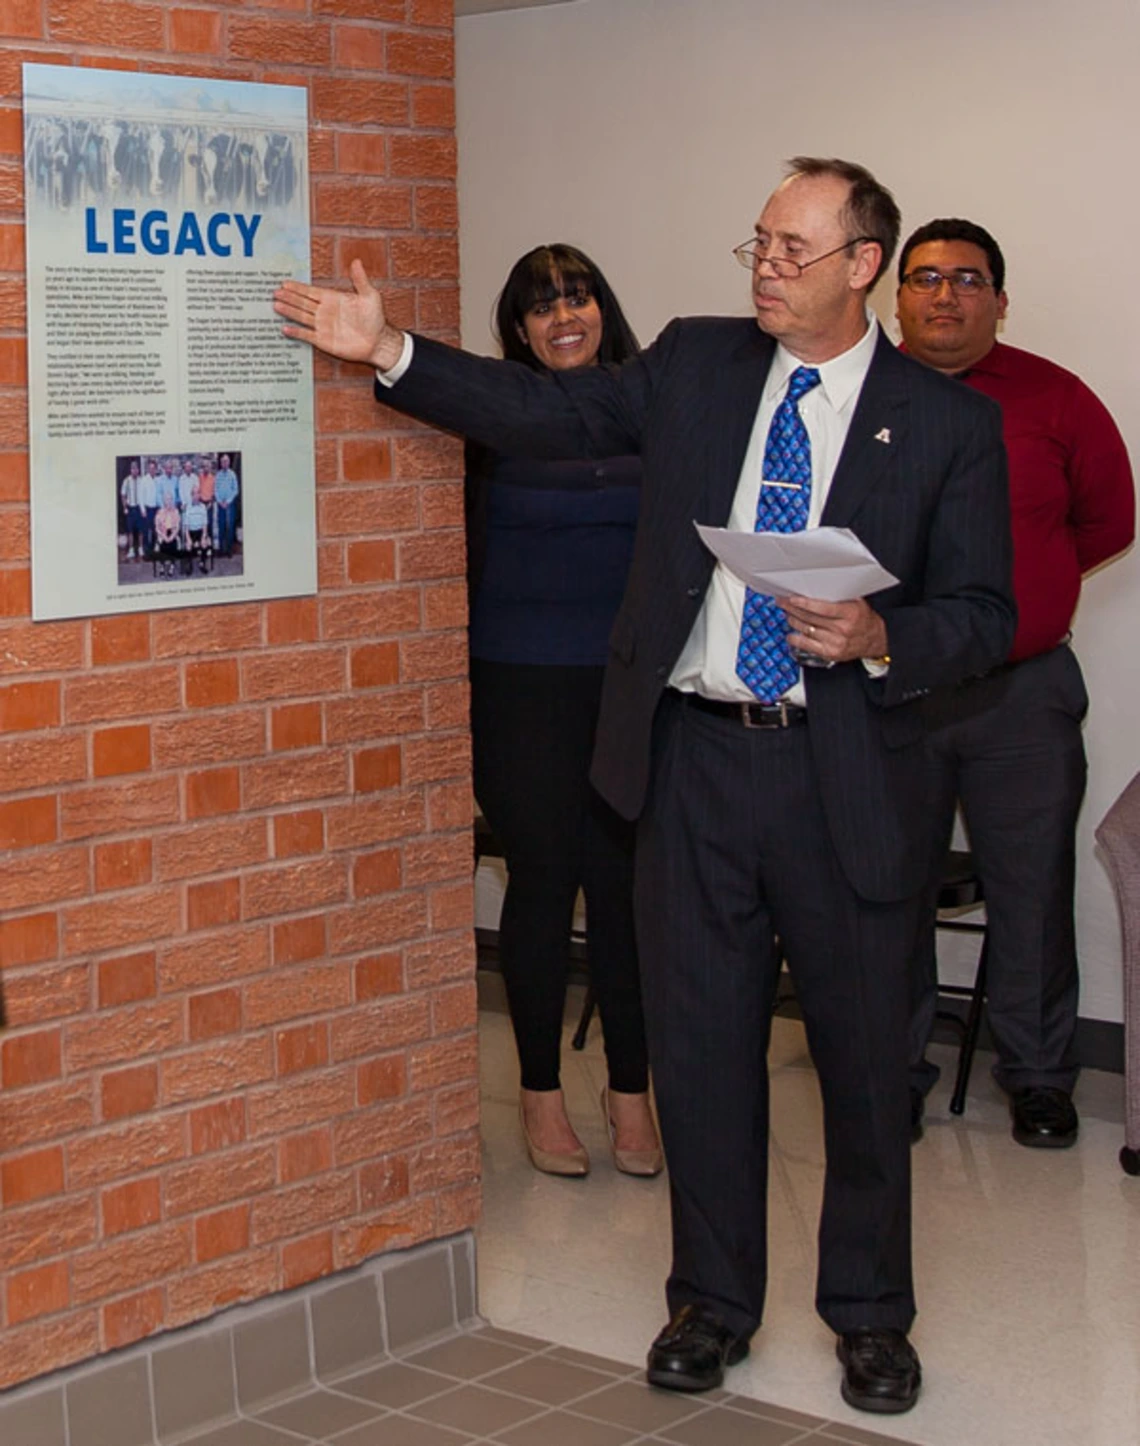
column 350, row 325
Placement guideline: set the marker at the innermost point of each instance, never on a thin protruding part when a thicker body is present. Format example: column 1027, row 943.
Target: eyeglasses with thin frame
column 926, row 280
column 749, row 254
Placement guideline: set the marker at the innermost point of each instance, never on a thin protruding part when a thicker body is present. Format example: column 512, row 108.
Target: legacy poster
column 171, row 424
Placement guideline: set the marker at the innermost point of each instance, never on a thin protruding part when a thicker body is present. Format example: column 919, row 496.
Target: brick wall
column 235, row 883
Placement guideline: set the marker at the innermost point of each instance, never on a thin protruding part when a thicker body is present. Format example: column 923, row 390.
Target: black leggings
column 533, row 735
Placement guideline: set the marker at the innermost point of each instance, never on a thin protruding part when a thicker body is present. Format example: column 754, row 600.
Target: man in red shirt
column 1008, row 746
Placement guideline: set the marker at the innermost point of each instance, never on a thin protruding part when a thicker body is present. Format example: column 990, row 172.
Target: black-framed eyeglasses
column 750, row 255
column 926, row 280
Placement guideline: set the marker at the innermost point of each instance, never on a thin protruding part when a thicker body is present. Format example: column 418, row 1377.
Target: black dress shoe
column 881, row 1370
column 917, row 1110
column 692, row 1351
column 1043, row 1118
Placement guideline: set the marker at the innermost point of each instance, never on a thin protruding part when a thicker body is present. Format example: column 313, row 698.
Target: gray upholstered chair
column 1119, row 838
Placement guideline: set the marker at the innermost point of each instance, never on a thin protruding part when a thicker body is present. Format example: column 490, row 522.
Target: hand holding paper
column 820, row 578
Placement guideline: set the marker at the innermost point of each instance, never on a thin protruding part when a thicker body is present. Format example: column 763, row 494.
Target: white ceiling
column 480, row 7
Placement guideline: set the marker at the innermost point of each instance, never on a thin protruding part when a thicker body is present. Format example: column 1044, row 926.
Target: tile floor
column 1027, row 1261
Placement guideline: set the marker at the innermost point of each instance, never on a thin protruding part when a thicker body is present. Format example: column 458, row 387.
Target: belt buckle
column 779, row 707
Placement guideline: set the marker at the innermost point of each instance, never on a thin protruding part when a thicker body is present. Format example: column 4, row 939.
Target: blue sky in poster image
column 221, row 100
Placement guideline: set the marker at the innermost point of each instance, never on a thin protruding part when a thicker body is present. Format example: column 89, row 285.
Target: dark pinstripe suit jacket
column 921, row 480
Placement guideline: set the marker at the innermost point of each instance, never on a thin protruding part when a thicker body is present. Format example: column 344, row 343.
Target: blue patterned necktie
column 763, row 659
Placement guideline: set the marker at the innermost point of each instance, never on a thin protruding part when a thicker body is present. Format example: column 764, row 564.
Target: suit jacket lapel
column 878, row 428
column 731, row 397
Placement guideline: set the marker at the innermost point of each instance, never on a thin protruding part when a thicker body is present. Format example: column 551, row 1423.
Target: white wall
column 650, row 132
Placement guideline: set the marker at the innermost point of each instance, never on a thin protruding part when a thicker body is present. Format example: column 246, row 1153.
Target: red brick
column 383, row 1182
column 381, row 1025
column 337, row 101
column 435, row 961
column 454, row 1009
column 13, row 349
column 298, row 833
column 44, row 762
column 304, row 1047
column 27, row 1059
column 132, row 1091
column 379, row 974
column 376, row 768
column 450, row 805
column 34, row 1176
column 196, row 32
column 63, row 1340
column 210, row 904
column 323, row 1200
column 379, row 715
column 300, row 1156
column 131, row 1206
column 202, row 1292
column 105, row 1157
column 450, row 1061
column 37, row 1292
column 448, row 706
column 217, row 1127
column 366, row 460
column 371, row 561
column 242, row 735
column 38, row 995
column 452, row 907
column 362, row 512
column 284, row 42
column 440, row 13
column 427, row 760
column 216, row 1012
column 381, row 1079
column 107, row 925
column 206, row 1184
column 296, row 725
column 24, row 18
column 224, row 1233
column 142, row 1259
column 305, row 1260
column 26, row 822
column 231, row 956
column 377, row 873
column 375, row 665
column 48, row 1113
column 133, row 1318
column 124, row 639
column 361, row 153
column 356, row 47
column 213, row 684
column 127, row 979
column 222, row 1065
column 349, row 202
column 122, row 1035
column 300, row 674
column 299, row 939
column 29, row 880
column 121, row 750
column 113, row 23
column 424, row 659
column 433, row 106
column 410, row 53
column 123, row 865
column 290, row 887
column 295, row 780
column 27, row 706
column 375, row 820
column 212, row 792
column 445, row 606
column 137, row 803
column 14, row 465
column 229, row 843
column 396, row 1227
column 422, row 157
column 291, row 620
column 446, row 856
column 214, row 630
column 128, row 693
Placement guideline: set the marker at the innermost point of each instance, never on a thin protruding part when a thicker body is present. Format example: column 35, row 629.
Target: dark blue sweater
column 551, row 558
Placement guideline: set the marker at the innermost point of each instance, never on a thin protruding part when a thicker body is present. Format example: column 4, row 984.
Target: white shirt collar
column 839, row 379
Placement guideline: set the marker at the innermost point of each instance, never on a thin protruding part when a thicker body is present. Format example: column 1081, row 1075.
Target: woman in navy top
column 549, row 548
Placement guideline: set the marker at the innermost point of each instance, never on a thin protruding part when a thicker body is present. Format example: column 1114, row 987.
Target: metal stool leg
column 970, row 1035
column 579, row 1040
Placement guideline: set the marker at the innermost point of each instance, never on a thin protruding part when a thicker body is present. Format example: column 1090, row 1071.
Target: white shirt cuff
column 394, row 373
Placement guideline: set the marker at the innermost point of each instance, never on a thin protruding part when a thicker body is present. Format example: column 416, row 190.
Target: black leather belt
column 749, row 715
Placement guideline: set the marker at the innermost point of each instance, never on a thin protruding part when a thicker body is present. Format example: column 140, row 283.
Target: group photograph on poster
column 171, row 423
column 178, row 515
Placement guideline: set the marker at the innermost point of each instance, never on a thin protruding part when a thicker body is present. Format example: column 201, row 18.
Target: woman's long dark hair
column 559, row 270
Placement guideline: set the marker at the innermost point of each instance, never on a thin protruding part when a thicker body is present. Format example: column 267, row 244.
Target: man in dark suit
column 772, row 800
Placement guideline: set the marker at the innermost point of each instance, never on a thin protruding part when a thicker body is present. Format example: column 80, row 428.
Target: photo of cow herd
column 81, row 161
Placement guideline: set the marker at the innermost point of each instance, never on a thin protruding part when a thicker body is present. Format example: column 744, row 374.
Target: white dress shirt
column 707, row 664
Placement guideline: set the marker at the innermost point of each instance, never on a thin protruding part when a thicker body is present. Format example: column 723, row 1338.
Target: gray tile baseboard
column 207, row 1377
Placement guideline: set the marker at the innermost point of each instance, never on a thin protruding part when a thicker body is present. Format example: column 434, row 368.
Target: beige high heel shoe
column 631, row 1162
column 554, row 1162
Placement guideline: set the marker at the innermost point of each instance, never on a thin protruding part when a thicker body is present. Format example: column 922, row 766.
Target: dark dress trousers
column 819, row 834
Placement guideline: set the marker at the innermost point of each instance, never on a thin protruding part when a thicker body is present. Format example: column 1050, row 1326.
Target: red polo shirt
column 1072, row 499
